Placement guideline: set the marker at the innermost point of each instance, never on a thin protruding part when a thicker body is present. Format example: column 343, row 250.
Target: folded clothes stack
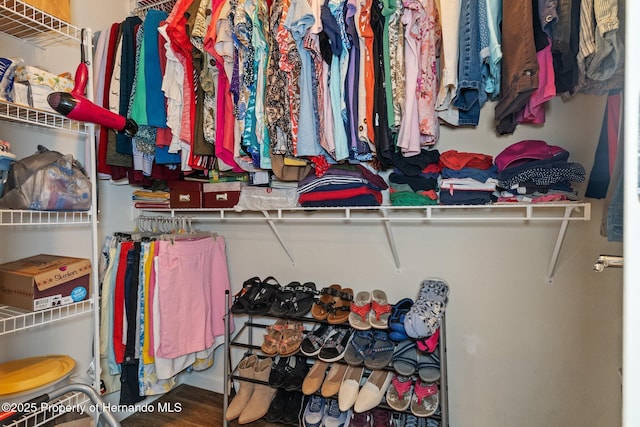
column 467, row 178
column 534, row 171
column 342, row 185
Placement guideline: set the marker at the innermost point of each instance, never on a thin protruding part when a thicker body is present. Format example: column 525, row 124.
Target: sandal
column 359, row 315
column 428, row 367
column 335, row 347
column 425, row 399
column 263, row 299
column 380, row 352
column 405, row 358
column 291, row 339
column 380, row 310
column 341, row 307
column 303, row 299
column 358, row 347
column 271, row 344
column 323, row 305
column 282, row 300
column 241, row 300
column 314, row 340
column 399, row 393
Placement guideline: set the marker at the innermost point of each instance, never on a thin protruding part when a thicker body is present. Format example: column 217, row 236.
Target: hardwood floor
column 197, row 408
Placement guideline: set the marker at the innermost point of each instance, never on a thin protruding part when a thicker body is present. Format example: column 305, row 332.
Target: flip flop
column 380, row 310
column 399, row 393
column 405, row 358
column 380, row 351
column 360, row 307
column 425, row 399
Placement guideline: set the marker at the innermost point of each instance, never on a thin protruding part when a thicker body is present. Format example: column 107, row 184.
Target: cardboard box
column 61, row 9
column 185, row 194
column 44, row 281
column 221, row 194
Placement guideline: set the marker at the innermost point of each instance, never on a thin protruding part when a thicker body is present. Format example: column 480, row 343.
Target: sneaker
column 333, row 417
column 314, row 412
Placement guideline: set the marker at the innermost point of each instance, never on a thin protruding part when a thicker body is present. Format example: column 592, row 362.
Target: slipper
column 341, row 307
column 282, row 300
column 350, row 386
column 428, row 367
column 323, row 305
column 360, row 307
column 358, row 347
column 424, row 317
column 399, row 310
column 380, row 310
column 399, row 393
column 302, row 300
column 405, row 358
column 425, row 399
column 380, row 351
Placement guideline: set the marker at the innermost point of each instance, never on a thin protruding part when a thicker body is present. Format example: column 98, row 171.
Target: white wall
column 520, row 352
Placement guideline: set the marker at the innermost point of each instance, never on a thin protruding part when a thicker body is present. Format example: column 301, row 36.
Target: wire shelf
column 143, row 6
column 69, row 402
column 27, row 217
column 23, row 114
column 25, row 22
column 14, row 319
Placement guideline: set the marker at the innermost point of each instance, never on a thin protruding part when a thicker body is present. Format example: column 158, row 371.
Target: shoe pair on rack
column 321, row 412
column 404, row 393
column 283, row 337
column 366, row 397
column 285, row 407
column 328, row 384
column 329, row 343
column 294, row 300
column 372, row 349
column 252, row 400
column 289, row 373
column 256, row 296
column 409, row 360
column 375, row 418
column 370, row 310
column 333, row 305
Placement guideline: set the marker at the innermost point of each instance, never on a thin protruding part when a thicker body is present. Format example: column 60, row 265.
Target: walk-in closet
column 233, row 275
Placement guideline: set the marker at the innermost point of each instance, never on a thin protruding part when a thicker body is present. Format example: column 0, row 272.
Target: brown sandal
column 290, row 342
column 324, row 304
column 272, row 338
column 341, row 307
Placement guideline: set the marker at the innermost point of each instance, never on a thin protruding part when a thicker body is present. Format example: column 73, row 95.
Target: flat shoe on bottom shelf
column 315, row 377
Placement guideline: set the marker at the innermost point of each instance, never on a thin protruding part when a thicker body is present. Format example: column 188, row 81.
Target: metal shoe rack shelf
column 244, row 338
